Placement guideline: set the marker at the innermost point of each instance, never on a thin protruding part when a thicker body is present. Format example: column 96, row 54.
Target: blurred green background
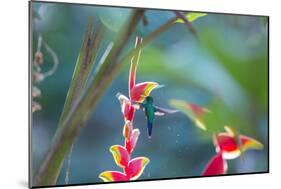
column 225, row 71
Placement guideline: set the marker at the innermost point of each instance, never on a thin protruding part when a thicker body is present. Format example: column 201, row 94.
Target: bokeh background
column 225, row 71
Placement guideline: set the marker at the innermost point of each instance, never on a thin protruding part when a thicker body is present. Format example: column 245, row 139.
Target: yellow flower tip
column 260, row 145
column 149, row 88
column 113, row 148
column 200, row 124
column 206, row 110
column 256, row 145
column 230, row 130
column 251, row 144
column 105, row 176
column 145, row 161
column 115, row 152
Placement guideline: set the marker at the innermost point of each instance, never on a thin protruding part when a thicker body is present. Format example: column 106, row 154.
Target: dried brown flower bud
column 38, row 60
column 36, row 106
column 38, row 77
column 35, row 92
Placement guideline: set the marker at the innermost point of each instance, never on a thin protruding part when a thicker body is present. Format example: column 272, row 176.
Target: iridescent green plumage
column 150, row 112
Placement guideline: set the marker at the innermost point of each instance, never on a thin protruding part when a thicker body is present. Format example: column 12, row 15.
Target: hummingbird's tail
column 149, row 128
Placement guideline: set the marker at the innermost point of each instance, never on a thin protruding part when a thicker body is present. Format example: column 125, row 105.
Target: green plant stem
column 70, row 127
column 145, row 41
column 186, row 22
column 67, row 173
column 83, row 67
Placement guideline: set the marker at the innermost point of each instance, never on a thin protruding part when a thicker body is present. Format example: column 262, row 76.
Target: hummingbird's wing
column 162, row 111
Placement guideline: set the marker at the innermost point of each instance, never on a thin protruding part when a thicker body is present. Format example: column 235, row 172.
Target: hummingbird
column 150, row 112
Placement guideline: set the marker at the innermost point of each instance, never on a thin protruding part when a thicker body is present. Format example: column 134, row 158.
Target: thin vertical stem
column 67, row 173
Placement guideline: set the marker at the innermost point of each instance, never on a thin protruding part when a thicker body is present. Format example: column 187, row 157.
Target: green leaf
column 222, row 115
column 250, row 72
column 191, row 16
column 83, row 67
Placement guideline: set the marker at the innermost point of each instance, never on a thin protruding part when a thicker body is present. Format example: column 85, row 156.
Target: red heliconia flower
column 216, row 166
column 133, row 73
column 126, row 107
column 229, row 145
column 132, row 168
column 232, row 145
column 131, row 136
column 136, row 167
column 138, row 92
column 142, row 90
column 127, row 130
column 131, row 142
column 111, row 176
column 120, row 155
column 193, row 111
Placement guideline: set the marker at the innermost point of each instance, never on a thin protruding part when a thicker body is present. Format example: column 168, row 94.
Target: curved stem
column 55, row 60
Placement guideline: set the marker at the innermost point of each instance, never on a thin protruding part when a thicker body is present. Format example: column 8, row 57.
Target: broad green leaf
column 250, row 72
column 191, row 16
column 221, row 115
column 83, row 67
